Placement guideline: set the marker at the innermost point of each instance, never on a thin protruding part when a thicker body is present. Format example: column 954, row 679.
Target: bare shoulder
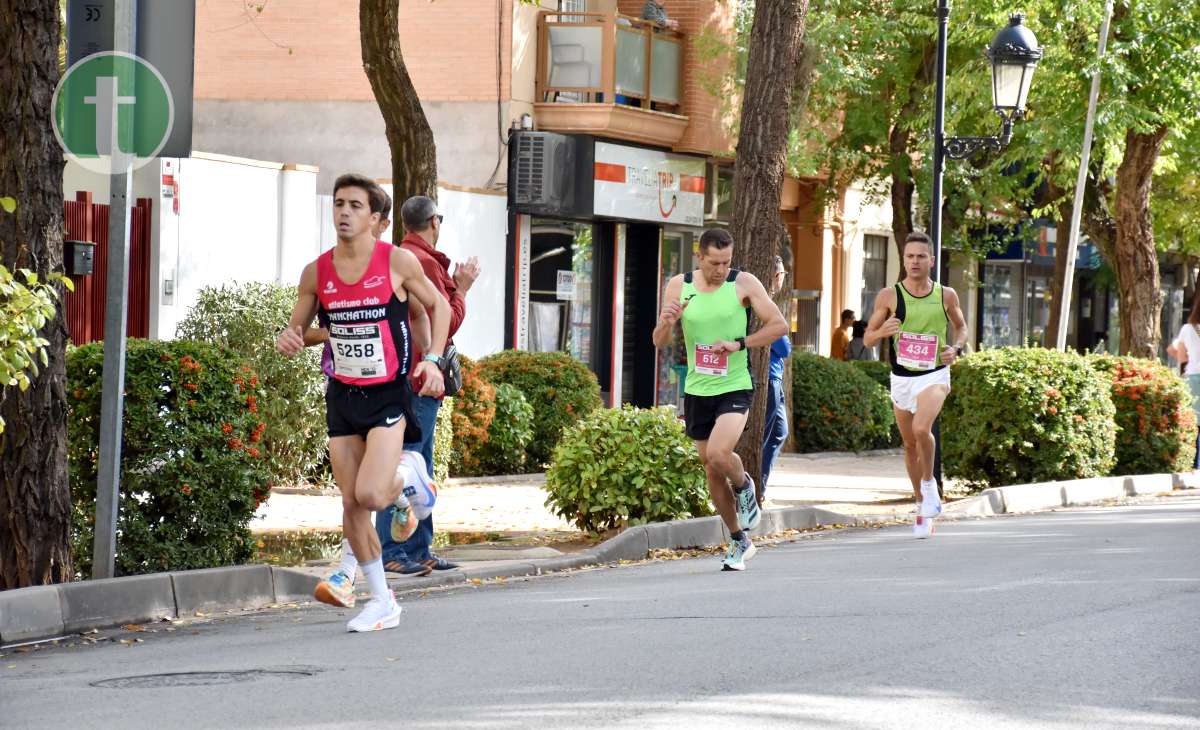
column 887, row 295
column 748, row 283
column 308, row 278
column 949, row 295
column 403, row 259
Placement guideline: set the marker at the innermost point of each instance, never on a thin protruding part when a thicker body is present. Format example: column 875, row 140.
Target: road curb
column 47, row 612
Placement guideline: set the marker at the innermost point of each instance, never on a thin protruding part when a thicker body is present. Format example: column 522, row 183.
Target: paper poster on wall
column 649, row 185
column 565, row 290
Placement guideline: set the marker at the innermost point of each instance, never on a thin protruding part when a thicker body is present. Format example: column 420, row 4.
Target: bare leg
column 912, row 454
column 722, row 466
column 929, row 405
column 345, row 455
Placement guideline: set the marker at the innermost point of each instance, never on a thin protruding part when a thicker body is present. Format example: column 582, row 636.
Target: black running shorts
column 700, row 412
column 352, row 410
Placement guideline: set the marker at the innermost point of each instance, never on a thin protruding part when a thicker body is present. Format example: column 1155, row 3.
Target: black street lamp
column 1014, row 54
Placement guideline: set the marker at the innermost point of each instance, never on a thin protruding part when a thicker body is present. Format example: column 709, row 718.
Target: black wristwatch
column 958, row 351
column 741, row 341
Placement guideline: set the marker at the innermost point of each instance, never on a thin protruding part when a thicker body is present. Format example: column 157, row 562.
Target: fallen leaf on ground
column 477, row 581
column 133, row 627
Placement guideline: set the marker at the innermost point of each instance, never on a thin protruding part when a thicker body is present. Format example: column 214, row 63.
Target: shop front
column 589, row 255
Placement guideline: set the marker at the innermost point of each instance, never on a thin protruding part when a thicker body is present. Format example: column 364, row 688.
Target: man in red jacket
column 422, row 226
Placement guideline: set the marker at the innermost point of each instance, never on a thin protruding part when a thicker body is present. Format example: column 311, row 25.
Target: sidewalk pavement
column 865, row 482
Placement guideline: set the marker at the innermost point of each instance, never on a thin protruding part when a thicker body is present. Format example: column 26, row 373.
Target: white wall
column 238, row 221
column 475, row 225
column 867, row 212
column 246, row 220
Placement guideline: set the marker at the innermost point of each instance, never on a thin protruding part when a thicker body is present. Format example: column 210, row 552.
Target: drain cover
column 197, row 679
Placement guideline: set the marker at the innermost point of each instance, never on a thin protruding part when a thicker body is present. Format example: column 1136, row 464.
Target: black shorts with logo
column 700, row 412
column 353, row 410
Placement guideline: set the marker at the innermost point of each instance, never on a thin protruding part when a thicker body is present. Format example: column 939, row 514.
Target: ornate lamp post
column 1014, row 54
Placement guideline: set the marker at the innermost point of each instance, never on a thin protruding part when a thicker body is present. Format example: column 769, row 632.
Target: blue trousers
column 776, row 430
column 416, row 547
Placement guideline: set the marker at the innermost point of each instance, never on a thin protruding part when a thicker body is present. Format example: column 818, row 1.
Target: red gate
column 88, row 221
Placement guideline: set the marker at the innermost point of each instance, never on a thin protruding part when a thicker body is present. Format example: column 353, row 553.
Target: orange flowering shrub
column 560, row 388
column 1155, row 421
column 191, row 477
column 474, row 409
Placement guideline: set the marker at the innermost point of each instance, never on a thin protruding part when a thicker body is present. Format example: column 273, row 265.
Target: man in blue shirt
column 776, row 430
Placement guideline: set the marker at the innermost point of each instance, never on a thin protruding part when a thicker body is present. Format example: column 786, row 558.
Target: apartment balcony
column 610, row 76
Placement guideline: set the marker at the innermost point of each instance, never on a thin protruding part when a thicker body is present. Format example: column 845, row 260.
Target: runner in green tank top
column 713, row 305
column 916, row 315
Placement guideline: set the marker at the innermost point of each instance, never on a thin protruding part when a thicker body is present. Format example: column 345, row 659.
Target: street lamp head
column 1014, row 54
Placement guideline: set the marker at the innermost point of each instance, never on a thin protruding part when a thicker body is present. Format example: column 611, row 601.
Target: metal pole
column 939, row 140
column 112, row 402
column 935, row 200
column 1064, row 309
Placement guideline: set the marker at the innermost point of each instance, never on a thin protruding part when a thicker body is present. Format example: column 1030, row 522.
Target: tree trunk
column 1054, row 195
column 410, row 140
column 35, row 498
column 772, row 66
column 903, row 183
column 1136, row 257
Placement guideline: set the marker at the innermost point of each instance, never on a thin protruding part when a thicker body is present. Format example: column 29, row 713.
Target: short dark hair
column 918, row 237
column 386, row 213
column 847, row 314
column 375, row 194
column 860, row 328
column 717, row 238
column 416, row 213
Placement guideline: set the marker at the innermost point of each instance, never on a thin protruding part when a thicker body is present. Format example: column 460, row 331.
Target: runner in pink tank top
column 359, row 291
column 367, row 322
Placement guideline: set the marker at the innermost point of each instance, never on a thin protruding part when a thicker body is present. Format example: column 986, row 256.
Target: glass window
column 874, row 275
column 1001, row 305
column 561, row 316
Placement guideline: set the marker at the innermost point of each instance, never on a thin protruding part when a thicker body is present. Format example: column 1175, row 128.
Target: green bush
column 474, row 409
column 247, row 318
column 1155, row 421
column 1018, row 415
column 880, row 372
column 626, row 465
column 560, row 388
column 836, row 407
column 509, row 435
column 192, row 473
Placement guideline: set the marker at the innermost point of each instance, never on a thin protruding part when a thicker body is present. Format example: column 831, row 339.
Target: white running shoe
column 379, row 614
column 923, row 527
column 737, row 554
column 931, row 501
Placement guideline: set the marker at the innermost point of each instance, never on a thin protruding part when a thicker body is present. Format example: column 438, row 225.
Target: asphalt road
column 1079, row 618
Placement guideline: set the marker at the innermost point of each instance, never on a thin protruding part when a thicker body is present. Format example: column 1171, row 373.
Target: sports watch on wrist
column 432, row 358
column 741, row 341
column 958, row 351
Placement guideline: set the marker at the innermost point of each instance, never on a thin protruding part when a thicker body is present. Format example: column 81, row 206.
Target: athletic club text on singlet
column 924, row 327
column 367, row 323
column 712, row 317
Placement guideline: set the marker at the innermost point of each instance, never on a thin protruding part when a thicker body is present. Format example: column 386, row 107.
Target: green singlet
column 712, row 317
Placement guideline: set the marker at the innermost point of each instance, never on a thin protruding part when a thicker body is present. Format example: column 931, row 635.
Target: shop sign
column 648, row 185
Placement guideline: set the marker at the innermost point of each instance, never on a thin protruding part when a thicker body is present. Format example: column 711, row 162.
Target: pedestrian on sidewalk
column 1185, row 350
column 917, row 313
column 839, row 344
column 713, row 305
column 857, row 349
column 423, row 226
column 368, row 400
column 776, row 430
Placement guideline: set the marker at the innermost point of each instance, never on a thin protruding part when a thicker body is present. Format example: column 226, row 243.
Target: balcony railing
column 598, row 72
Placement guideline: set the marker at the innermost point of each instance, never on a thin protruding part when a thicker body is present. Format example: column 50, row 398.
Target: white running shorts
column 905, row 390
